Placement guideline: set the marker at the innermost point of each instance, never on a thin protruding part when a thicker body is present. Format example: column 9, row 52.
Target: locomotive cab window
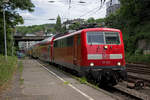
column 95, row 37
column 112, row 38
column 103, row 37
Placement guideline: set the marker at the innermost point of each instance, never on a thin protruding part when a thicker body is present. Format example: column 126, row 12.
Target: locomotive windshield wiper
column 91, row 42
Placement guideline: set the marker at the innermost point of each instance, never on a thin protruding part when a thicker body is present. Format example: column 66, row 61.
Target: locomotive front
column 105, row 59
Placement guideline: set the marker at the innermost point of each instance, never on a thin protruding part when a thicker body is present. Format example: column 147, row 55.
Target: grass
column 83, row 80
column 21, row 80
column 20, row 67
column 66, row 82
column 7, row 68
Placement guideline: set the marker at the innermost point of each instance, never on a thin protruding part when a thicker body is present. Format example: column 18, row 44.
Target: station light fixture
column 51, row 1
column 82, row 2
column 51, row 19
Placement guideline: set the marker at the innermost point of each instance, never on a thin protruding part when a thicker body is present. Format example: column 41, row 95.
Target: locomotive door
column 75, row 50
column 49, row 53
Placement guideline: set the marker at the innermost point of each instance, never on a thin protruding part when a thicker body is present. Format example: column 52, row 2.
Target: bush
column 138, row 58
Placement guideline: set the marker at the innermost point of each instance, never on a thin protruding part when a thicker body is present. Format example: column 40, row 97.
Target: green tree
column 58, row 24
column 12, row 18
column 63, row 29
column 133, row 18
column 75, row 26
column 91, row 20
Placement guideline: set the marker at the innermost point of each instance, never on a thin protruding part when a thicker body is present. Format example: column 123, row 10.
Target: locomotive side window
column 55, row 44
column 79, row 40
column 66, row 42
column 112, row 38
column 70, row 41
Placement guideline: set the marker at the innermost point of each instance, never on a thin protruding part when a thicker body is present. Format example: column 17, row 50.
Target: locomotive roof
column 46, row 40
column 66, row 35
column 61, row 36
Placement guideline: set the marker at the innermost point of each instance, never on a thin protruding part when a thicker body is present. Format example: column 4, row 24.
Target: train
column 97, row 53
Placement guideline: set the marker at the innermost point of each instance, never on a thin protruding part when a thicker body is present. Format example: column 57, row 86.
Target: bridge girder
column 28, row 38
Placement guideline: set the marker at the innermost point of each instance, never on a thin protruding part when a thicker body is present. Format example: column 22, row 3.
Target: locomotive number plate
column 106, row 62
column 105, row 56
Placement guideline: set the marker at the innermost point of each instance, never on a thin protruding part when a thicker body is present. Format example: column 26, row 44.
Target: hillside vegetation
column 22, row 30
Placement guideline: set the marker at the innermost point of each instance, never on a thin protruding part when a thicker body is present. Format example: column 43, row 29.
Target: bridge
column 28, row 38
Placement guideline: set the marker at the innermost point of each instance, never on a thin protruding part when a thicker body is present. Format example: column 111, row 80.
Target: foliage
column 63, row 29
column 140, row 58
column 58, row 24
column 7, row 68
column 74, row 26
column 134, row 21
column 91, row 20
column 66, row 82
column 83, row 80
column 12, row 18
column 23, row 30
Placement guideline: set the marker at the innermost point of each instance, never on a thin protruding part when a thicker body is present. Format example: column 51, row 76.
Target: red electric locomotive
column 95, row 52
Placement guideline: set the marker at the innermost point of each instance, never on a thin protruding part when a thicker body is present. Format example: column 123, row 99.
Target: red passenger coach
column 95, row 52
column 42, row 50
column 45, row 49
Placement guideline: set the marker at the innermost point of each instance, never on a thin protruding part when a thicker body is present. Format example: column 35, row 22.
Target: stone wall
column 144, row 45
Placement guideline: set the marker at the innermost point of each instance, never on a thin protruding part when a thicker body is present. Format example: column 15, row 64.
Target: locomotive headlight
column 91, row 64
column 105, row 47
column 119, row 64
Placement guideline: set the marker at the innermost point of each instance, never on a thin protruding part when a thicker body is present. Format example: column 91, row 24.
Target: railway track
column 118, row 92
column 139, row 75
column 138, row 72
column 131, row 93
column 126, row 93
column 138, row 68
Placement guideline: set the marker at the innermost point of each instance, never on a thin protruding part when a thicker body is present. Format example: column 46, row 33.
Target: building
column 70, row 22
column 23, row 45
column 144, row 45
column 112, row 6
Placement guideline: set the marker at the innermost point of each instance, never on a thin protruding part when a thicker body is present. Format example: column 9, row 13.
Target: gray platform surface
column 39, row 84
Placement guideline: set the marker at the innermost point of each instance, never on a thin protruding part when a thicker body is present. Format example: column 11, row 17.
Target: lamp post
column 5, row 39
column 4, row 25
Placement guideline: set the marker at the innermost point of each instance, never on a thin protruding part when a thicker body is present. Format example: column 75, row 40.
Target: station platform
column 42, row 83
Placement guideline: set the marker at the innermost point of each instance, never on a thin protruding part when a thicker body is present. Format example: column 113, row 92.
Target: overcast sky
column 45, row 10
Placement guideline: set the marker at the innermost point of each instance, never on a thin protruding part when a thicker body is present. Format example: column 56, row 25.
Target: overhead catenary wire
column 93, row 10
column 88, row 12
column 96, row 10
